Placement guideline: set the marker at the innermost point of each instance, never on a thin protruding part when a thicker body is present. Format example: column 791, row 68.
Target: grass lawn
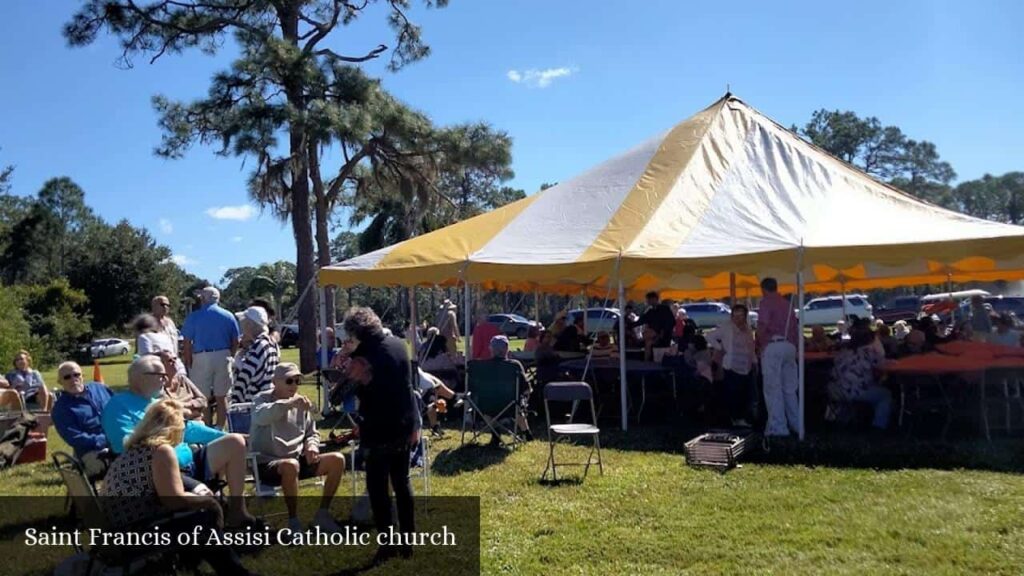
column 831, row 505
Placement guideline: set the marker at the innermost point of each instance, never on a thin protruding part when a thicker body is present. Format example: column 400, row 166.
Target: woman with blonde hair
column 144, row 485
column 28, row 382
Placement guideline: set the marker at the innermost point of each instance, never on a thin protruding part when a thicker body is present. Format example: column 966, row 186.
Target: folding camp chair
column 493, row 395
column 571, row 392
column 240, row 422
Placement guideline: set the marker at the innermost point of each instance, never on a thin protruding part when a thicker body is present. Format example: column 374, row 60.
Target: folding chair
column 88, row 511
column 571, row 392
column 493, row 394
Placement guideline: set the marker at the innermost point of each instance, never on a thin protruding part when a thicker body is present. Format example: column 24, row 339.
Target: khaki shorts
column 211, row 372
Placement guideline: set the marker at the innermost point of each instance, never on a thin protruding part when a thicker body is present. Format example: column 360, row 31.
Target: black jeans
column 738, row 393
column 383, row 464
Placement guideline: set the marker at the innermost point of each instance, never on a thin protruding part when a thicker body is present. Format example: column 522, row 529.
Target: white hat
column 256, row 315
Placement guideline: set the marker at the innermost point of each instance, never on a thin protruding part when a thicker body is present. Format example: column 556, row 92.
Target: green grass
column 832, row 505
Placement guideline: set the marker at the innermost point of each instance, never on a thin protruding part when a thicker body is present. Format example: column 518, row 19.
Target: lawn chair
column 88, row 511
column 493, row 395
column 571, row 392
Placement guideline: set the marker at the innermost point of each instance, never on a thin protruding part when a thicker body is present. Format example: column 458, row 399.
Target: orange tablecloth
column 937, row 364
column 818, row 356
column 964, row 348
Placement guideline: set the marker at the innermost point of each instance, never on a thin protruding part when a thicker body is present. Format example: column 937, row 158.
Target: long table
column 642, row 368
column 934, row 367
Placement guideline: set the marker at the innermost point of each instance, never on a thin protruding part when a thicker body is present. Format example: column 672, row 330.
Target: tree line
column 67, row 275
column 913, row 166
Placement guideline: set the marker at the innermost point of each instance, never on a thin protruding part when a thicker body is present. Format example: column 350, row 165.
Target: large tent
column 724, row 198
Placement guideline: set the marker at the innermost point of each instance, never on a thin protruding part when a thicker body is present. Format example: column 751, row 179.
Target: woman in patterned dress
column 144, row 485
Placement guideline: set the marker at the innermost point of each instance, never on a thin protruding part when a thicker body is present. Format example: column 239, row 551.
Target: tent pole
column 732, row 289
column 467, row 296
column 622, row 356
column 322, row 310
column 536, row 305
column 413, row 324
column 842, row 291
column 800, row 335
column 583, row 306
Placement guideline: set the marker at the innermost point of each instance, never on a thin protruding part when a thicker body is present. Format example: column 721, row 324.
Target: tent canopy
column 726, row 191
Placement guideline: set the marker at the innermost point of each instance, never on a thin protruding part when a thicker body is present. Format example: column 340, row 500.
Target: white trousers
column 781, row 380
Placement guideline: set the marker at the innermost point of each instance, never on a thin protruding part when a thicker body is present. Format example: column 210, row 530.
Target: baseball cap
column 286, row 370
column 256, row 315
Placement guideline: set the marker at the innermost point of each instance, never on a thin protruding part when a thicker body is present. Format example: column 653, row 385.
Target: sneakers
column 325, row 522
column 436, row 431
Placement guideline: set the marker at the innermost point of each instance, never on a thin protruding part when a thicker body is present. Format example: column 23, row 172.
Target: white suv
column 829, row 310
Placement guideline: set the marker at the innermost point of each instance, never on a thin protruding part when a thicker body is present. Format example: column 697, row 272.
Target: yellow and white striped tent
column 727, row 191
column 724, row 198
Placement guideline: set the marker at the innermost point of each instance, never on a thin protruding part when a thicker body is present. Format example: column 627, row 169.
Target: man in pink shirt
column 777, row 328
column 482, row 334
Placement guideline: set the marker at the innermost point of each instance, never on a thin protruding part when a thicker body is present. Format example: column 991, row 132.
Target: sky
column 573, row 82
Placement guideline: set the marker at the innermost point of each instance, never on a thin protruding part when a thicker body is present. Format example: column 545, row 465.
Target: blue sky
column 573, row 82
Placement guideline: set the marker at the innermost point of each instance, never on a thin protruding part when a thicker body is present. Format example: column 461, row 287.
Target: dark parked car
column 512, row 325
column 899, row 308
column 289, row 336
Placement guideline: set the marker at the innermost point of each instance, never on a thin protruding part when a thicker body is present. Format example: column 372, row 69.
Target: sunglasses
column 294, row 381
column 71, row 376
column 162, row 375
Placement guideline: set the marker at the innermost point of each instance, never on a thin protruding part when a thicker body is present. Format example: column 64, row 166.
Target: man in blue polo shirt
column 219, row 453
column 211, row 340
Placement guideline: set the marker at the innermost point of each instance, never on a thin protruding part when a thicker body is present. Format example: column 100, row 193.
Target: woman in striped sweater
column 254, row 367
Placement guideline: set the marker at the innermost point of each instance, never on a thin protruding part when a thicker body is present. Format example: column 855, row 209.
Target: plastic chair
column 571, row 392
column 493, row 394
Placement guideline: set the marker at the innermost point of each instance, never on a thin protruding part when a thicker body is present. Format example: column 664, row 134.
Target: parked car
column 109, row 347
column 828, row 310
column 289, row 336
column 512, row 325
column 899, row 308
column 598, row 319
column 714, row 314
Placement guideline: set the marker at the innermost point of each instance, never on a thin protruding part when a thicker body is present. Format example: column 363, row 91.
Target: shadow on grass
column 468, row 458
column 571, row 480
column 839, row 450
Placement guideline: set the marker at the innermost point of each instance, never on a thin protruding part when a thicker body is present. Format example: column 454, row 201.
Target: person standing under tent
column 448, row 325
column 777, row 328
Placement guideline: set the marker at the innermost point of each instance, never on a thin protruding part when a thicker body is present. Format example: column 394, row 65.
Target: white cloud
column 236, row 238
column 165, row 226
column 182, row 260
column 241, row 212
column 540, row 78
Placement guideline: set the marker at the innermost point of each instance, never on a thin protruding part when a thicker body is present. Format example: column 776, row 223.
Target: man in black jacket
column 380, row 365
column 660, row 319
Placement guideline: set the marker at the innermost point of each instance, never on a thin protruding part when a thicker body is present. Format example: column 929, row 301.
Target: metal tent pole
column 622, row 356
column 323, row 344
column 413, row 325
column 800, row 336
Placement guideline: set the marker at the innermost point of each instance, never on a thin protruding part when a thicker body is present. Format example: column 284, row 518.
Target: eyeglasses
column 71, row 376
column 163, row 303
column 295, row 381
column 162, row 375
